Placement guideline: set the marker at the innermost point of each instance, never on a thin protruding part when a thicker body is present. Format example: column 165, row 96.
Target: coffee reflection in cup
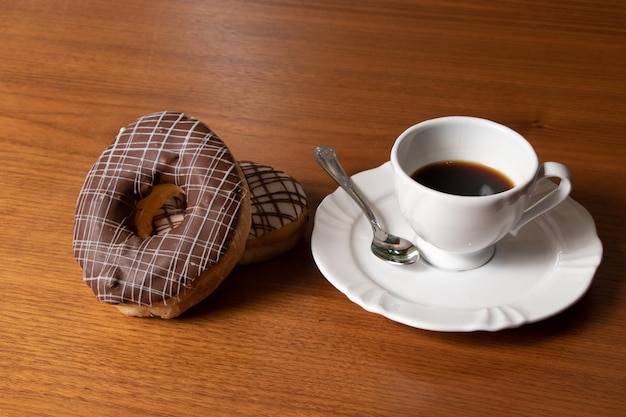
column 463, row 178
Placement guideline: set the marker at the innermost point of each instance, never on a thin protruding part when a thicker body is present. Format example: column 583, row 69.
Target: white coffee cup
column 457, row 232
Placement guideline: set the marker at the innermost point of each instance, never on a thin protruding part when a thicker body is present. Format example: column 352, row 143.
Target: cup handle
column 547, row 170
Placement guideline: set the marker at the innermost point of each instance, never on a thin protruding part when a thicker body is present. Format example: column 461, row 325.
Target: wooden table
column 275, row 79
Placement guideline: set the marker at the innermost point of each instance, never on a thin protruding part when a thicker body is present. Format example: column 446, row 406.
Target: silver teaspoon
column 386, row 246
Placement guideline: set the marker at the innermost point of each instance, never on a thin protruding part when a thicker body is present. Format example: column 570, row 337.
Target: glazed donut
column 161, row 156
column 279, row 213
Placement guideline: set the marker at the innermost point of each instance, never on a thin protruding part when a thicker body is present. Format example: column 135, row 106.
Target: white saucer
column 540, row 272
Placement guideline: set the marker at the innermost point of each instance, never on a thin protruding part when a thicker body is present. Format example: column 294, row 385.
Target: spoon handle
column 327, row 158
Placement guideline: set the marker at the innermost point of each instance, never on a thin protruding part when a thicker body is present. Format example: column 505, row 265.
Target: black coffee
column 462, row 178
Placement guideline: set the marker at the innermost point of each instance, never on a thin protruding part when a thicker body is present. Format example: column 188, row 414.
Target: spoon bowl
column 385, row 246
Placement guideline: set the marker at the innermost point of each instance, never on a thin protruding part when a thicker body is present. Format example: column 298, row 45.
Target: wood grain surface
column 275, row 79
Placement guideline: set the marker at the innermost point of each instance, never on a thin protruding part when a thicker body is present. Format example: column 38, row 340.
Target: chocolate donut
column 161, row 274
column 279, row 213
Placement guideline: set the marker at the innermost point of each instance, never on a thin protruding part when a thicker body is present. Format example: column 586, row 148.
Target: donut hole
column 161, row 211
column 169, row 215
